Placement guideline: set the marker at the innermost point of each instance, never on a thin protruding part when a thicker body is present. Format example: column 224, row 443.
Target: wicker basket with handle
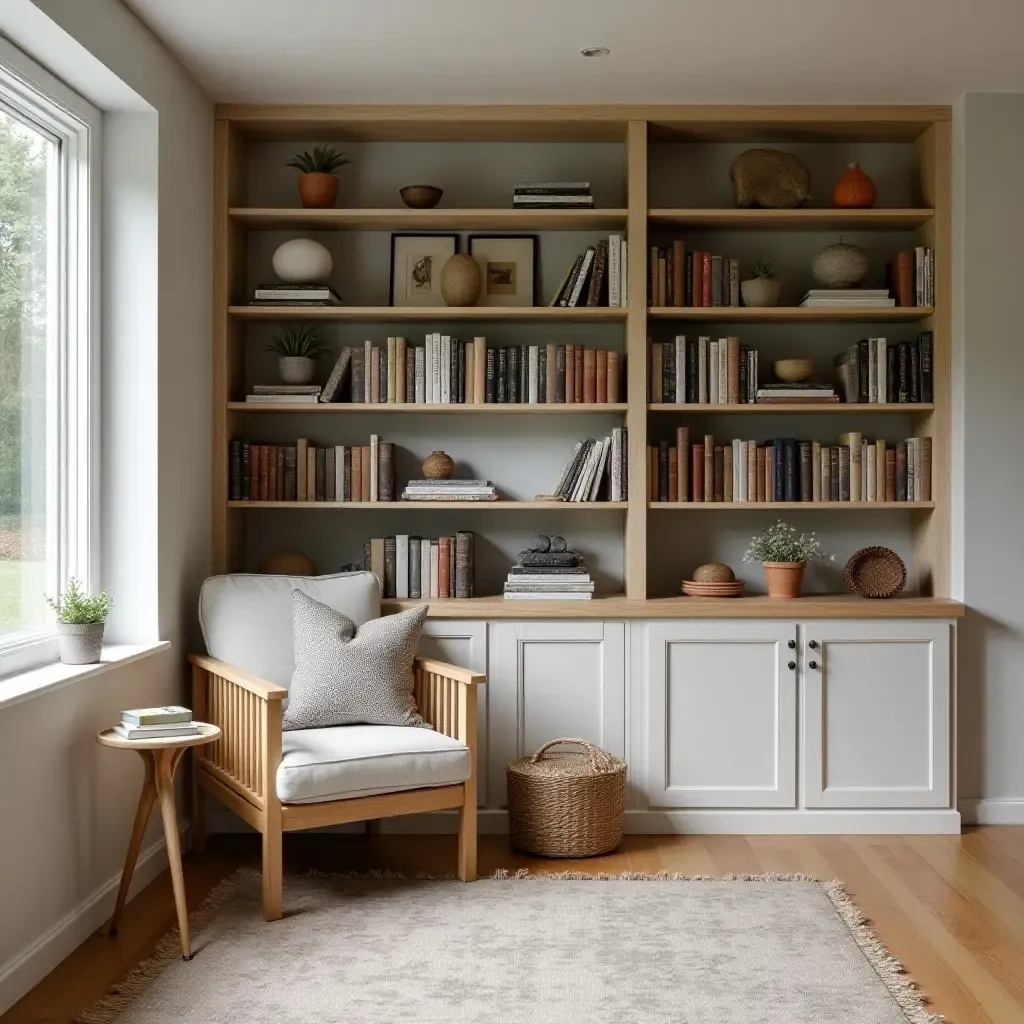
column 566, row 804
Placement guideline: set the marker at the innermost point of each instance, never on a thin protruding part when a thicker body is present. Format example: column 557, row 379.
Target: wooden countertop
column 815, row 606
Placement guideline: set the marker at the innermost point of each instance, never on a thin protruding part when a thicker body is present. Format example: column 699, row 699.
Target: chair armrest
column 260, row 687
column 453, row 672
column 446, row 698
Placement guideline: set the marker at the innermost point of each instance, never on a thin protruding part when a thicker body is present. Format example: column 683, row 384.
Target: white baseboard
column 992, row 812
column 20, row 974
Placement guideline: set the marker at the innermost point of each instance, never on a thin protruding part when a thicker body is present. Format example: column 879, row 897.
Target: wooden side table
column 161, row 757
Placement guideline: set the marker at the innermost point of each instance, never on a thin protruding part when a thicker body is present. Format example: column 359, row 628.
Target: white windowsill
column 26, row 685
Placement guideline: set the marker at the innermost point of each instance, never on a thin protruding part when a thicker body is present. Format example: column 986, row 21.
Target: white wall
column 989, row 227
column 67, row 805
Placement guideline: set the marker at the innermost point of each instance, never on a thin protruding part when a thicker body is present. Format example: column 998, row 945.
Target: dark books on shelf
column 596, row 470
column 678, row 276
column 412, row 567
column 879, row 371
column 596, row 277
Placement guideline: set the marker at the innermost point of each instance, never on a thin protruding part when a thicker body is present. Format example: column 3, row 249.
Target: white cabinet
column 721, row 714
column 553, row 679
column 876, row 721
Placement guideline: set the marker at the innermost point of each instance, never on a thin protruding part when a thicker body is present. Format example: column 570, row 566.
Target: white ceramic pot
column 302, row 261
column 761, row 291
column 296, row 369
column 80, row 644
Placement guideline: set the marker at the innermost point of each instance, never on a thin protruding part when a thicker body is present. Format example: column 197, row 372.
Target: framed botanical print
column 416, row 262
column 508, row 264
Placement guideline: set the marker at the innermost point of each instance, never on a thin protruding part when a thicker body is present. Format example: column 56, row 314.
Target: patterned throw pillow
column 349, row 676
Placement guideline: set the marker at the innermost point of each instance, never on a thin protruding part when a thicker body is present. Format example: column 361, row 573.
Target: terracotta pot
column 784, row 579
column 317, row 190
column 438, row 466
column 854, row 190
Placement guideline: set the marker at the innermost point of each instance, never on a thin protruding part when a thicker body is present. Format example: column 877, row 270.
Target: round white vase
column 296, row 369
column 302, row 261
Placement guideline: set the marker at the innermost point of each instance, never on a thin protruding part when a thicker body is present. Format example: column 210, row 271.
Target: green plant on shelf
column 322, row 159
column 297, row 342
column 762, row 269
column 75, row 607
column 781, row 543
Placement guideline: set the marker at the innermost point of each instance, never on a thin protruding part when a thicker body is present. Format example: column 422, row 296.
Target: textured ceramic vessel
column 854, row 190
column 288, row 563
column 840, row 265
column 421, row 197
column 461, row 280
column 296, row 369
column 713, row 572
column 302, row 261
column 317, row 190
column 784, row 579
column 770, row 178
column 792, row 371
column 80, row 644
column 761, row 291
column 438, row 466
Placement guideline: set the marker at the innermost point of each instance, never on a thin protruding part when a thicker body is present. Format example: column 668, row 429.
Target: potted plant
column 80, row 621
column 784, row 554
column 762, row 289
column 297, row 349
column 318, row 184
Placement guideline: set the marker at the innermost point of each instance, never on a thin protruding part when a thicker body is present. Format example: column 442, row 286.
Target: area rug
column 524, row 949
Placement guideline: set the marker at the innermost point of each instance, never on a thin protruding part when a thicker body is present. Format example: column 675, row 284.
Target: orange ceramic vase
column 854, row 190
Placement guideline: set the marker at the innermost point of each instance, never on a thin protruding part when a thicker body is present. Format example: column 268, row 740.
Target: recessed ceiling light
column 595, row 51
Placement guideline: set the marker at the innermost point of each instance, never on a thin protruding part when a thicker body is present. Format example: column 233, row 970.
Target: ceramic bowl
column 421, row 197
column 792, row 371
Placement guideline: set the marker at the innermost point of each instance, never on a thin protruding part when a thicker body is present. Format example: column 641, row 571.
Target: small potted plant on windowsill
column 784, row 554
column 762, row 289
column 80, row 622
column 318, row 184
column 296, row 349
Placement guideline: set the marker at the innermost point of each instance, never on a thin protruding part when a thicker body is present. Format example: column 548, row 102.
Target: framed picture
column 508, row 264
column 416, row 262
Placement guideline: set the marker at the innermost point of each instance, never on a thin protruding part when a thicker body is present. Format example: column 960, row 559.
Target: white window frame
column 33, row 95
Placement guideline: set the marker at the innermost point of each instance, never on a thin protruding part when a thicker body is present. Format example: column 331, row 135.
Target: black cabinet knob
column 792, row 666
column 812, row 664
column 813, row 645
column 791, row 645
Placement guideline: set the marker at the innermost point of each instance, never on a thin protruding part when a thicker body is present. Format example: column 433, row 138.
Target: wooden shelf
column 792, row 506
column 486, row 506
column 487, row 409
column 801, row 220
column 617, row 606
column 402, row 219
column 790, row 314
column 798, row 407
column 433, row 314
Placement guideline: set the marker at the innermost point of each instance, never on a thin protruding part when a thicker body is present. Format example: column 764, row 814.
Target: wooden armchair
column 241, row 769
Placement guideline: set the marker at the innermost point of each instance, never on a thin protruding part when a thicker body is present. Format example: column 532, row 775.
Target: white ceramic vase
column 302, row 261
column 80, row 644
column 296, row 369
column 761, row 291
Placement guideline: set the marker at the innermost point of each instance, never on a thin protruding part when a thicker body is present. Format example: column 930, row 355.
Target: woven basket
column 875, row 572
column 566, row 804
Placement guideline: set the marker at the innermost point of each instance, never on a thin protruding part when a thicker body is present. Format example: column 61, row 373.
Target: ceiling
column 527, row 51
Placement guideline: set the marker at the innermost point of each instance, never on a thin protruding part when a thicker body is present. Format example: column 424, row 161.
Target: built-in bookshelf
column 658, row 174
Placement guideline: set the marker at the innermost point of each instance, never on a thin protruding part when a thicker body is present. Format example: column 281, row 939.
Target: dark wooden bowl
column 421, row 197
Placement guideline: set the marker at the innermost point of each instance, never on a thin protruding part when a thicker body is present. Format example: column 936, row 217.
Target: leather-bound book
column 706, row 278
column 762, row 479
column 613, row 376
column 678, row 272
column 601, row 371
column 570, row 374
column 357, row 474
column 367, row 473
column 321, row 474
column 732, row 391
column 902, row 279
column 709, row 467
column 806, row 475
column 751, row 471
column 672, row 469
column 890, row 474
column 578, row 378
column 683, row 463
column 657, row 373
column 697, row 472
column 386, row 471
column 481, row 368
column 551, row 373
column 390, row 567
column 464, row 564
column 663, row 460
column 443, row 566
column 589, row 376
column 728, row 472
column 698, row 279
column 924, row 480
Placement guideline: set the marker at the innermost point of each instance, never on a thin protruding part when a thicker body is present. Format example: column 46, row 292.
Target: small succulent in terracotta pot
column 784, row 554
column 318, row 184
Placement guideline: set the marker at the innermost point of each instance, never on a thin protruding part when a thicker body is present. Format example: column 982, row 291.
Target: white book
column 402, row 566
column 419, row 395
column 367, row 376
column 435, row 370
column 624, row 272
column 424, row 567
column 873, row 370
column 533, row 369
column 702, row 370
column 680, row 369
column 751, row 480
column 446, row 368
column 374, row 462
column 872, row 470
column 582, row 480
column 283, row 399
column 339, row 472
column 577, row 290
column 134, row 732
column 616, row 489
column 713, row 364
column 434, row 586
column 549, row 577
column 882, row 358
column 864, row 447
column 614, row 270
column 601, row 463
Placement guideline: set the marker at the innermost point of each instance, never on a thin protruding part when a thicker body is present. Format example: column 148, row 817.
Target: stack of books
column 596, row 277
column 912, row 277
column 450, row 490
column 417, row 567
column 295, row 295
column 678, row 276
column 595, row 470
column 878, row 371
column 702, row 371
column 552, row 195
column 289, row 394
column 549, row 575
column 156, row 723
column 837, row 298
column 786, row 394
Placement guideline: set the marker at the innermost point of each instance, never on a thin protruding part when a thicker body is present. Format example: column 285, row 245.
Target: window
column 47, row 346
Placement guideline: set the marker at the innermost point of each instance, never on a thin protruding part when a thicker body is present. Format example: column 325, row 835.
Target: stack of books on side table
column 548, row 570
column 156, row 724
column 450, row 490
column 837, row 298
column 552, row 195
column 288, row 394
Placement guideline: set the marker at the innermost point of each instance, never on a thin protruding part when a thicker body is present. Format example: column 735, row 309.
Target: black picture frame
column 454, row 236
column 535, row 262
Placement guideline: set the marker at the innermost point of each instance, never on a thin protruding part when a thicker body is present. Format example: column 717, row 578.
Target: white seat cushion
column 363, row 760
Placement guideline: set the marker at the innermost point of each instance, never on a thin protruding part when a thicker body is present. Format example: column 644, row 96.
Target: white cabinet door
column 464, row 643
column 876, row 714
column 552, row 679
column 721, row 722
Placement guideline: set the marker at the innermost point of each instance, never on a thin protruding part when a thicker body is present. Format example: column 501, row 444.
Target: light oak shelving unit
column 637, row 130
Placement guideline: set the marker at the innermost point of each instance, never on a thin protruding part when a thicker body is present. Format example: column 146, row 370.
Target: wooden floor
column 950, row 907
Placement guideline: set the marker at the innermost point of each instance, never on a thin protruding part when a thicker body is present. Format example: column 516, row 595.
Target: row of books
column 844, row 298
column 912, row 277
column 684, row 277
column 874, row 370
column 305, row 472
column 418, row 567
column 552, row 195
column 786, row 469
column 596, row 277
column 596, row 470
column 702, row 371
column 156, row 723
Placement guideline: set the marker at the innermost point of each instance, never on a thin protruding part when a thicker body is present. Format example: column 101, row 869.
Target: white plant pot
column 761, row 291
column 296, row 369
column 80, row 644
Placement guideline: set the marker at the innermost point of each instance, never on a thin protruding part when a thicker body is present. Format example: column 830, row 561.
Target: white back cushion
column 247, row 618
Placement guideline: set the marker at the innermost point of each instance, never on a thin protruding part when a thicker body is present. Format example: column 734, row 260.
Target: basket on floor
column 566, row 804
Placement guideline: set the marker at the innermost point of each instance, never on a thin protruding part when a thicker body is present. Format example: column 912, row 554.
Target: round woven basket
column 566, row 804
column 875, row 572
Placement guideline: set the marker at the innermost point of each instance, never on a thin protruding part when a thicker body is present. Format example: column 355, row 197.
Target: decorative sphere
column 438, row 466
column 288, row 563
column 461, row 280
column 541, row 544
column 302, row 261
column 558, row 543
column 840, row 265
column 713, row 572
